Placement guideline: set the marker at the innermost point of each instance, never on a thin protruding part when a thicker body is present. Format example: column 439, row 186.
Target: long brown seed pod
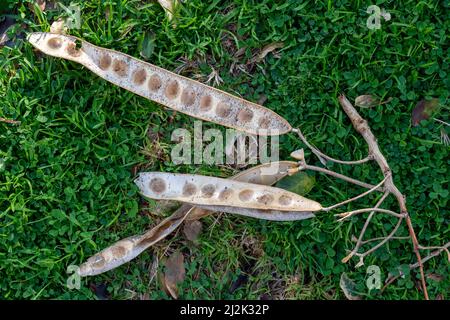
column 167, row 88
column 212, row 191
column 127, row 249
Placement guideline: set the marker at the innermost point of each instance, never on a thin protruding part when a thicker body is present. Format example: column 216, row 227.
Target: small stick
column 357, row 197
column 319, row 154
column 349, row 214
column 381, row 238
column 415, row 265
column 359, row 242
column 341, row 176
column 386, row 239
column 10, row 121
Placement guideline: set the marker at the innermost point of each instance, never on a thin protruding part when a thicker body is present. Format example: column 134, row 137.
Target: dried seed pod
column 167, row 88
column 111, row 257
column 127, row 249
column 169, row 186
column 264, row 174
column 274, row 215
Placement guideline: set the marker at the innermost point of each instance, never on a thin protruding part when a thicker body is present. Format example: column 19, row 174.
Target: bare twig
column 357, row 197
column 10, row 121
column 386, row 239
column 349, row 214
column 340, row 176
column 391, row 279
column 382, row 238
column 320, row 155
column 363, row 128
column 359, row 242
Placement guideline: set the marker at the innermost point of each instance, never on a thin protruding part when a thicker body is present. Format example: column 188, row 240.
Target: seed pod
column 167, row 88
column 265, row 174
column 127, row 249
column 111, row 257
column 212, row 191
column 274, row 215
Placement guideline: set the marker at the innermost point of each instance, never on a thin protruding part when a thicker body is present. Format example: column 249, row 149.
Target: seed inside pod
column 223, row 110
column 225, row 194
column 73, row 50
column 188, row 97
column 120, row 67
column 205, row 103
column 118, row 252
column 157, row 185
column 105, row 61
column 245, row 195
column 285, row 200
column 189, row 189
column 208, row 190
column 99, row 261
column 265, row 199
column 264, row 122
column 54, row 43
column 172, row 89
column 139, row 76
column 245, row 115
column 154, row 83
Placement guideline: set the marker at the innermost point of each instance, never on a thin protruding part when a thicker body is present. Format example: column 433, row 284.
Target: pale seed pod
column 265, row 174
column 167, row 88
column 127, row 249
column 274, row 215
column 212, row 191
column 111, row 257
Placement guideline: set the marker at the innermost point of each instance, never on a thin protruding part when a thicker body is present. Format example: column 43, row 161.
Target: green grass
column 66, row 171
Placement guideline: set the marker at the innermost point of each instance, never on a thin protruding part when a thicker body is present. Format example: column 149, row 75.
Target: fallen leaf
column 100, row 291
column 369, row 101
column 424, row 109
column 147, row 45
column 175, row 273
column 168, row 6
column 434, row 276
column 6, row 23
column 366, row 101
column 267, row 49
column 348, row 287
column 300, row 183
column 192, row 229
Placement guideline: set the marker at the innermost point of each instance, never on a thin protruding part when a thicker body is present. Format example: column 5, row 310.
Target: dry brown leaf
column 369, row 101
column 174, row 274
column 436, row 277
column 423, row 110
column 348, row 286
column 168, row 6
column 266, row 50
column 192, row 229
column 366, row 101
